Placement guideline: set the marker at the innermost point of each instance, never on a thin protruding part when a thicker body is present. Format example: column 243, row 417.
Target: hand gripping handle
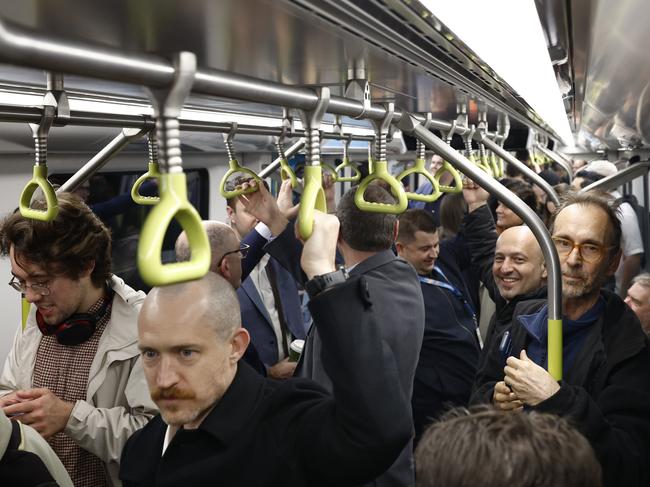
column 173, row 205
column 39, row 180
column 234, row 169
column 286, row 172
column 380, row 171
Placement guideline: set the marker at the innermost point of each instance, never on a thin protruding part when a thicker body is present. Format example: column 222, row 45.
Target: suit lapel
column 251, row 291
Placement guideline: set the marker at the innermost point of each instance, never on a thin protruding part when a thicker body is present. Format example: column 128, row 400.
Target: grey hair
column 222, row 239
column 642, row 279
column 212, row 294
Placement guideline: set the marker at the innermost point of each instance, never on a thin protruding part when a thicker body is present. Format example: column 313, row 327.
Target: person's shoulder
column 289, row 395
column 150, row 435
column 125, row 294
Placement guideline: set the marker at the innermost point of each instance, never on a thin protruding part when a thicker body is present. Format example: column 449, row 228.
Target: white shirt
column 260, row 279
column 631, row 241
column 169, row 435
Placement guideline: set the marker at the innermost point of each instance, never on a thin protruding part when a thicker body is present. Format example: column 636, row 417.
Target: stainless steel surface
column 124, row 138
column 528, row 172
column 409, row 56
column 412, row 126
column 620, row 178
column 288, row 152
column 568, row 168
column 311, row 121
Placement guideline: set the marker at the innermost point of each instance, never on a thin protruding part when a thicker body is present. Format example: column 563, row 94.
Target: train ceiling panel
column 408, row 56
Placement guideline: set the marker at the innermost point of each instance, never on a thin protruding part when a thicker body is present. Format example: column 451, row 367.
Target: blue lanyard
column 446, row 284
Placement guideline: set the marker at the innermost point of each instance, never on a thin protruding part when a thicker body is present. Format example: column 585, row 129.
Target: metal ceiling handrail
column 528, row 172
column 620, row 178
column 557, row 159
column 412, row 126
column 30, row 114
column 33, row 49
column 124, row 138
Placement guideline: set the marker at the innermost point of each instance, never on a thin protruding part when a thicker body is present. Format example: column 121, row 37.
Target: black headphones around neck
column 77, row 328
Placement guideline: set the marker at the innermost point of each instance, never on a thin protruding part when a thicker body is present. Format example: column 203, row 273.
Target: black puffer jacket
column 606, row 393
column 480, row 234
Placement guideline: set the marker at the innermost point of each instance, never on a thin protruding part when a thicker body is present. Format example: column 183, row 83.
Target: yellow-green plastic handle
column 330, row 170
column 39, row 180
column 420, row 168
column 152, row 173
column 380, row 171
column 356, row 174
column 555, row 349
column 173, row 205
column 234, row 169
column 483, row 164
column 24, row 311
column 286, row 172
column 458, row 181
column 313, row 197
column 497, row 169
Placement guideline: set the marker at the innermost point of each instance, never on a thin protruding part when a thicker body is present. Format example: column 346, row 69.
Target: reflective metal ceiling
column 607, row 68
column 408, row 56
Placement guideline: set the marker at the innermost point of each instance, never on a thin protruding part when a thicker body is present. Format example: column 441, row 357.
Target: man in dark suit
column 451, row 346
column 365, row 242
column 268, row 296
column 222, row 423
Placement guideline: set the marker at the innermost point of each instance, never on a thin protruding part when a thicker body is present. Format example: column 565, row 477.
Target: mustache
column 171, row 393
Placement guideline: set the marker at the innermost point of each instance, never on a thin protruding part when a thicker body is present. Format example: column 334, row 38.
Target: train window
column 109, row 196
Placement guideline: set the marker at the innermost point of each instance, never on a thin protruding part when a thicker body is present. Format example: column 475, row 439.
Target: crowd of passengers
column 423, row 337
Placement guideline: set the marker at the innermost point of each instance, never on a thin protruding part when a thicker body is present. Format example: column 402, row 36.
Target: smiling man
column 605, row 389
column 450, row 349
column 74, row 373
column 510, row 266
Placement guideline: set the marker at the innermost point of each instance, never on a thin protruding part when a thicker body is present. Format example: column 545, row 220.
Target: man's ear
column 395, row 230
column 400, row 247
column 224, row 269
column 89, row 269
column 544, row 273
column 230, row 213
column 613, row 263
column 239, row 343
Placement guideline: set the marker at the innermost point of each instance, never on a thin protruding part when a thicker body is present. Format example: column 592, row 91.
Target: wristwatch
column 318, row 284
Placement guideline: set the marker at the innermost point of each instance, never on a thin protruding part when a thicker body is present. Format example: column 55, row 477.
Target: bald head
column 222, row 239
column 210, row 300
column 518, row 263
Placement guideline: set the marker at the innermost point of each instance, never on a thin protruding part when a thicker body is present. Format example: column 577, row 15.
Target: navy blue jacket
column 450, row 350
column 256, row 319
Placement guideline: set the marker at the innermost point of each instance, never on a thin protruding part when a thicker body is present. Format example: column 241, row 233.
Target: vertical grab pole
column 411, row 125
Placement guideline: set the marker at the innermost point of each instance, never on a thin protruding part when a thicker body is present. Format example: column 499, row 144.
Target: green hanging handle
column 340, row 169
column 235, row 168
column 313, row 197
column 497, row 167
column 286, row 172
column 356, row 174
column 380, row 171
column 173, row 205
column 330, row 170
column 39, row 180
column 152, row 173
column 458, row 180
column 420, row 168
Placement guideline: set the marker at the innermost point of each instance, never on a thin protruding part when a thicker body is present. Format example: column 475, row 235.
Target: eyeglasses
column 42, row 288
column 589, row 252
column 243, row 250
